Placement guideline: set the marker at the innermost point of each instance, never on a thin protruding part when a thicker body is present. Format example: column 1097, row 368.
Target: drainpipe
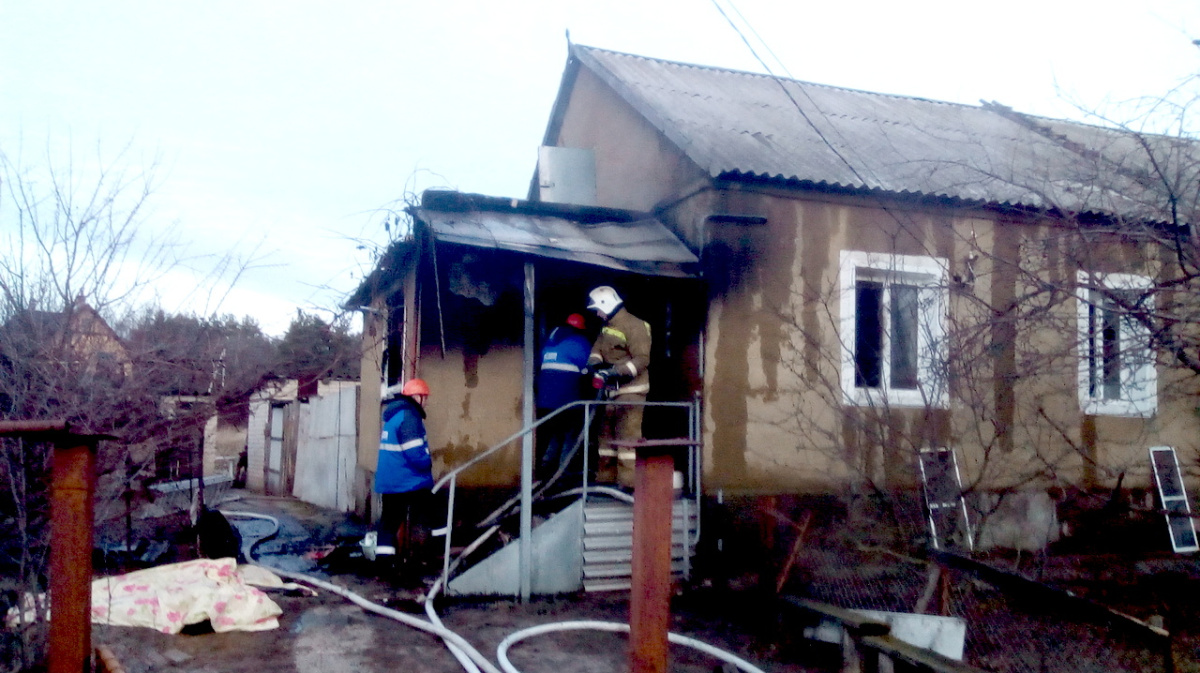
column 526, row 545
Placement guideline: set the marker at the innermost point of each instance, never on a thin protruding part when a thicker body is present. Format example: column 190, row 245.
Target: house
column 848, row 280
column 462, row 327
column 77, row 337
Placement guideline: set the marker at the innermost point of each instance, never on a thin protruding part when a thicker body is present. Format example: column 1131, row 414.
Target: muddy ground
column 737, row 613
column 329, row 633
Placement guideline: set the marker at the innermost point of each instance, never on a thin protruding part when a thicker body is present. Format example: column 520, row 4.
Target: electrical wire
column 841, row 157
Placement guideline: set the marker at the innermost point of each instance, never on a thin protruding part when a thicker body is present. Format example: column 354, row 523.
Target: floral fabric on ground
column 169, row 597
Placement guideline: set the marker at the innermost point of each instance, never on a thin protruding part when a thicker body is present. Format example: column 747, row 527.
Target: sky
column 283, row 132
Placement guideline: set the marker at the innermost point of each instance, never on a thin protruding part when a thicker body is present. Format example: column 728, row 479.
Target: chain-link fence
column 1064, row 608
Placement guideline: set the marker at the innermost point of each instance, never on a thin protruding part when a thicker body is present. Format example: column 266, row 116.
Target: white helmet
column 605, row 299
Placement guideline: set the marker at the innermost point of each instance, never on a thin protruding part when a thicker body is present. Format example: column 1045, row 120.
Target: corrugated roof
column 641, row 245
column 735, row 123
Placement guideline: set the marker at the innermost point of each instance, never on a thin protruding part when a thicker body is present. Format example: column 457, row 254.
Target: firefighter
column 620, row 361
column 560, row 381
column 403, row 475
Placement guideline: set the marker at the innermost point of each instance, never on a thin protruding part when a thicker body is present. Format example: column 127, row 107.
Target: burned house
column 450, row 304
column 859, row 288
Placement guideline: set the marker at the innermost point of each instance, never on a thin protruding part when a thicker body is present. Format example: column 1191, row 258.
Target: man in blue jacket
column 560, row 381
column 404, row 474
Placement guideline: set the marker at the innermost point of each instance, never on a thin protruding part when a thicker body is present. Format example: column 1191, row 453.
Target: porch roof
column 614, row 239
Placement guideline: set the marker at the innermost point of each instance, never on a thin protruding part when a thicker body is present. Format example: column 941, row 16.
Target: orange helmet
column 575, row 320
column 415, row 387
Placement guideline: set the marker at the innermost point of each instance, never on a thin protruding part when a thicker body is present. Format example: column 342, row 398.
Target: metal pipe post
column 71, row 512
column 526, row 543
column 650, row 601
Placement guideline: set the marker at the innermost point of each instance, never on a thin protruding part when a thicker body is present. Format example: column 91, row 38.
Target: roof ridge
column 982, row 152
column 801, row 82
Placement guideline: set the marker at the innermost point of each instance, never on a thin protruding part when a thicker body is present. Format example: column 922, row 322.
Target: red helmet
column 415, row 387
column 575, row 320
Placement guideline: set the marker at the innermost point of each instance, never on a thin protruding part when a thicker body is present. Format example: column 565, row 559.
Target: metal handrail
column 531, row 427
column 451, row 477
column 511, row 438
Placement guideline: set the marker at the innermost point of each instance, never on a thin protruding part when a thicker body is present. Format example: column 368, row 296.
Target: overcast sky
column 285, row 127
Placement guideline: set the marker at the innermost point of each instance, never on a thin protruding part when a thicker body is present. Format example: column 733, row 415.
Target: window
column 893, row 319
column 1116, row 365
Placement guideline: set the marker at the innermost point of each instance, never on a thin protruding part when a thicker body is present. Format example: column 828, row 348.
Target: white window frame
column 1138, row 381
column 929, row 274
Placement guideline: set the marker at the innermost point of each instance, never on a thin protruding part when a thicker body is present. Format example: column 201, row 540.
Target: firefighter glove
column 602, row 376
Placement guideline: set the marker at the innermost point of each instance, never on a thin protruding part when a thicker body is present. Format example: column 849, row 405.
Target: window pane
column 1093, row 358
column 904, row 337
column 868, row 334
column 1110, row 337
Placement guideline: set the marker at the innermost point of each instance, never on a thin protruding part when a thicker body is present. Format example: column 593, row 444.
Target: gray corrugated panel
column 604, row 510
column 609, row 585
column 622, row 555
column 612, row 536
column 603, row 556
column 592, row 541
column 623, row 525
column 643, row 246
column 618, row 570
column 737, row 123
column 609, row 527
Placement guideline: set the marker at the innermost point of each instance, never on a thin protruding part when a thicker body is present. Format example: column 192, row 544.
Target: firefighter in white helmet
column 620, row 361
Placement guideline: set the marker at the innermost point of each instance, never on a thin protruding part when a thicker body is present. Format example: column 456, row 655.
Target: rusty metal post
column 650, row 601
column 71, row 511
column 72, row 492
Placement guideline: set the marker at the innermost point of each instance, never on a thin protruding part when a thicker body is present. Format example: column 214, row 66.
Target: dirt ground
column 1004, row 632
column 329, row 633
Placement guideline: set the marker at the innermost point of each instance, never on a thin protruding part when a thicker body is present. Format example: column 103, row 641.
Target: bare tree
column 79, row 252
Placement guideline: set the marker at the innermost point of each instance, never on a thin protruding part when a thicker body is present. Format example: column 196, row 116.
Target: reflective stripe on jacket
column 404, row 462
column 560, row 377
column 624, row 344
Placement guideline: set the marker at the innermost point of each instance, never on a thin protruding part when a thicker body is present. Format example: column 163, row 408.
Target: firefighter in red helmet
column 404, row 474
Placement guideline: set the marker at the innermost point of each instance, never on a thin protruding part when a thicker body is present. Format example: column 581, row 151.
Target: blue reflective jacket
column 560, row 376
column 404, row 462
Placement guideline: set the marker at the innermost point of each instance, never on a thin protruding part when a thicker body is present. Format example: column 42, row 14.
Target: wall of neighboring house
column 223, row 444
column 304, row 448
column 93, row 339
column 325, row 455
column 257, row 439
